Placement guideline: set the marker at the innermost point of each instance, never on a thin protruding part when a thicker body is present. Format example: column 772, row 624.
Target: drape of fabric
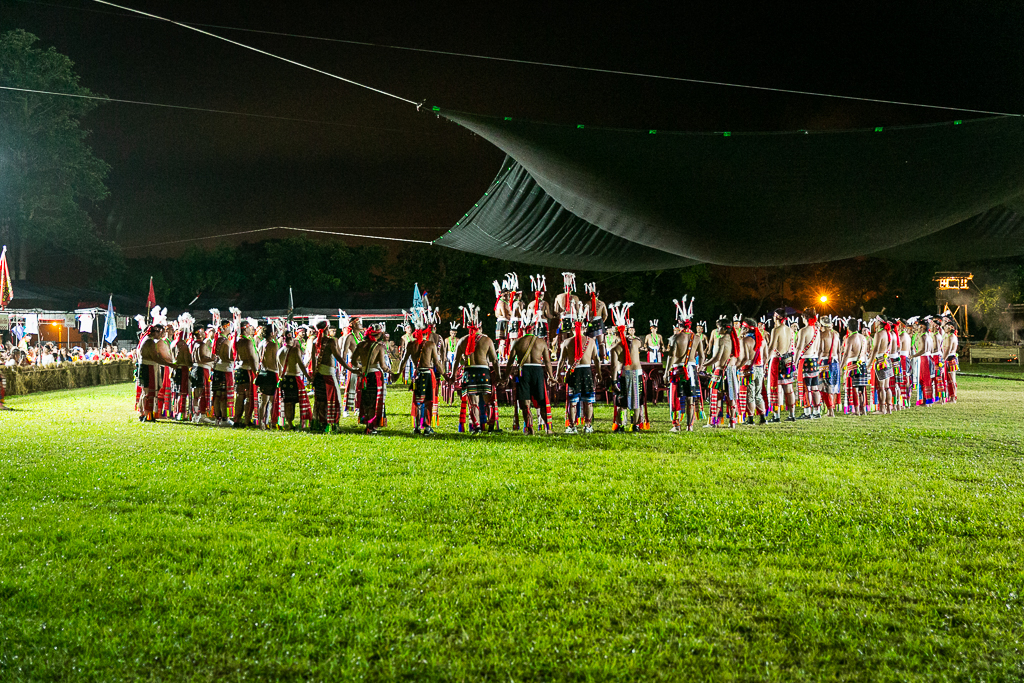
column 620, row 200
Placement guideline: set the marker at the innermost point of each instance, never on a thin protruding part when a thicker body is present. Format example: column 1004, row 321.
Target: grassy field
column 878, row 548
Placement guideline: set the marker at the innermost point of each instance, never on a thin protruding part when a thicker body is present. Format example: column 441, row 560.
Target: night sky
column 376, row 162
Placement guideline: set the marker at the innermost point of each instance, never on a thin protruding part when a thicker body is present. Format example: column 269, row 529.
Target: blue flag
column 110, row 329
column 417, row 300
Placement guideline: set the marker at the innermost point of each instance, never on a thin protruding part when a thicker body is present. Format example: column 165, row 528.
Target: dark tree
column 49, row 172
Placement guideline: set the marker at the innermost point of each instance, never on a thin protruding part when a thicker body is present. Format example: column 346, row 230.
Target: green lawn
column 878, row 548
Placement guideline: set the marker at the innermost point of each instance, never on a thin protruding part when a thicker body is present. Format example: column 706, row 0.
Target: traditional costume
column 373, row 387
column 476, row 382
column 425, row 390
column 654, row 345
column 326, row 393
column 684, row 383
column 579, row 379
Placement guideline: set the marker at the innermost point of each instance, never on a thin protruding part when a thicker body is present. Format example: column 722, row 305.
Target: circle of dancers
column 239, row 372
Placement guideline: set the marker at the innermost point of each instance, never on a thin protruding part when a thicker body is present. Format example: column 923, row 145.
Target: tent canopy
column 614, row 200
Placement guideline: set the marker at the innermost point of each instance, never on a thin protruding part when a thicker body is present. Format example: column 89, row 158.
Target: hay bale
column 61, row 376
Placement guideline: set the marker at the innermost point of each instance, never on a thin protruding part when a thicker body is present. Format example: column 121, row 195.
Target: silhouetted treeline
column 332, row 274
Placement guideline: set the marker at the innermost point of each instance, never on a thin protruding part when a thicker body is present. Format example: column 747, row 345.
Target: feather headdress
column 569, row 282
column 684, row 314
column 159, row 315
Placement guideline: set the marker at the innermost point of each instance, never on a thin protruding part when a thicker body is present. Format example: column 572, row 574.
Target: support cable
column 262, row 52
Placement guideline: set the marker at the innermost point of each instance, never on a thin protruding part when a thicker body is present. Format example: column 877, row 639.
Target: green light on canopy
column 579, row 125
column 878, row 129
column 957, row 122
column 435, row 109
column 508, row 118
column 652, row 132
column 726, row 134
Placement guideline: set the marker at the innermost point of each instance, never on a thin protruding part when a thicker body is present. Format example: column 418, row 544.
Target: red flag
column 151, row 299
column 6, row 290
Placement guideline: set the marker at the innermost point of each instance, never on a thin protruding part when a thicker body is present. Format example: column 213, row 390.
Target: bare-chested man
column 245, row 377
column 533, row 358
column 425, row 352
column 505, row 307
column 782, row 365
column 681, row 369
column 855, row 361
column 181, row 374
column 831, row 377
column 951, row 364
column 700, row 341
column 352, row 337
column 905, row 371
column 369, row 358
column 627, row 371
column 326, row 392
column 724, row 382
column 291, row 384
column 476, row 352
column 538, row 308
column 267, row 379
column 565, row 303
column 755, row 350
column 938, row 382
column 153, row 355
column 202, row 366
column 924, row 355
column 222, row 376
column 883, row 342
column 808, row 347
column 598, row 318
column 579, row 356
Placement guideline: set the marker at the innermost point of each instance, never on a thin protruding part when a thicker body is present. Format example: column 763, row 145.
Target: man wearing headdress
column 425, row 352
column 627, row 370
column 754, row 351
column 476, row 352
column 653, row 343
column 268, row 379
column 369, row 358
column 505, row 309
column 153, row 356
column 538, row 307
column 181, row 373
column 831, row 345
column 951, row 364
column 782, row 365
column 681, row 369
column 724, row 378
column 327, row 395
column 202, row 367
column 222, row 377
column 598, row 312
column 533, row 358
column 291, row 384
column 564, row 303
column 353, row 335
column 924, row 354
column 579, row 356
column 885, row 344
column 808, row 346
column 855, row 362
column 245, row 376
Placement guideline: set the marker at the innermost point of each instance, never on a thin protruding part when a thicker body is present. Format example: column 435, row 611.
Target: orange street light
column 823, row 298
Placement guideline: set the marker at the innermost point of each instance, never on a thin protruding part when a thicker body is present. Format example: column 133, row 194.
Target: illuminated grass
column 880, row 548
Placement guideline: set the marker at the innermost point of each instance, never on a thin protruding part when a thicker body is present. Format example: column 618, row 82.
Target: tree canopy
column 49, row 173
